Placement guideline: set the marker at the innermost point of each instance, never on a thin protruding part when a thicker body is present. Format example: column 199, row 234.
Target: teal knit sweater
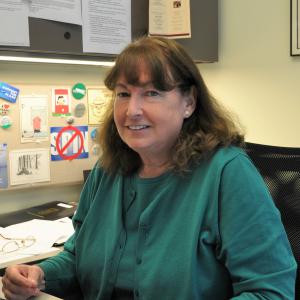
column 211, row 235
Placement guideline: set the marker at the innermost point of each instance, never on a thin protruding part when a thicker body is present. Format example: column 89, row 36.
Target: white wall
column 256, row 76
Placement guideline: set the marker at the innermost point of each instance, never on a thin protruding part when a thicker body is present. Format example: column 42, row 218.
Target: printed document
column 14, row 23
column 106, row 25
column 170, row 18
column 68, row 11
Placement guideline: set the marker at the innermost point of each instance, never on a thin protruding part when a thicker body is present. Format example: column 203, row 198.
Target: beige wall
column 255, row 76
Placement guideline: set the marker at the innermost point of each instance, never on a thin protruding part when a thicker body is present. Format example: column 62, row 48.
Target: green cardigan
column 211, row 235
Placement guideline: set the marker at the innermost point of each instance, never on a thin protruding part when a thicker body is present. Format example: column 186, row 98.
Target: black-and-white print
column 29, row 166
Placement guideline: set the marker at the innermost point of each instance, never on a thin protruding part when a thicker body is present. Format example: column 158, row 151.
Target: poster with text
column 170, row 19
column 68, row 143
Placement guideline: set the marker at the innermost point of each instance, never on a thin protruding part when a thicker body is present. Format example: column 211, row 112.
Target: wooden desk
column 43, row 296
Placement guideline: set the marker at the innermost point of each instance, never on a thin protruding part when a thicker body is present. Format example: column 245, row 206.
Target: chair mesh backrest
column 280, row 168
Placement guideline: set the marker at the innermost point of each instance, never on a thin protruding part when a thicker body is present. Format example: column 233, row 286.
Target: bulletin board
column 51, row 39
column 62, row 171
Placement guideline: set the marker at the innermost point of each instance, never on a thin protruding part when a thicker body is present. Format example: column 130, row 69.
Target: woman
column 174, row 209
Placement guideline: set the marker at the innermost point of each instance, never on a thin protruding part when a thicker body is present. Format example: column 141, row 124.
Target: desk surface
column 23, row 259
column 43, row 296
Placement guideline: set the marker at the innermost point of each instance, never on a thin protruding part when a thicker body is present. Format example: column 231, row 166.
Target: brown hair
column 209, row 127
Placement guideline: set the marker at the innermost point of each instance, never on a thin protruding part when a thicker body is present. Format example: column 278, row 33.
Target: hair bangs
column 140, row 59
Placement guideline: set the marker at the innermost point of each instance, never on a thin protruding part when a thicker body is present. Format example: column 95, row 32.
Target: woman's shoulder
column 99, row 175
column 224, row 155
column 96, row 172
column 220, row 158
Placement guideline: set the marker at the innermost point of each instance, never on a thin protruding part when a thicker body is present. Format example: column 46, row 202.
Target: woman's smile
column 137, row 127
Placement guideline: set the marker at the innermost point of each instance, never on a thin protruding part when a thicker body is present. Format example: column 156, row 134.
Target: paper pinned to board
column 68, row 11
column 106, row 25
column 170, row 19
column 14, row 23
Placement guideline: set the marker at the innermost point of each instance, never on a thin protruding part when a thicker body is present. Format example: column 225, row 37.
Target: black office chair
column 280, row 168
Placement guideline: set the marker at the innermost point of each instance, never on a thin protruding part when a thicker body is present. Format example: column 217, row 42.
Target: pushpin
column 94, row 134
column 5, row 122
column 70, row 120
column 96, row 149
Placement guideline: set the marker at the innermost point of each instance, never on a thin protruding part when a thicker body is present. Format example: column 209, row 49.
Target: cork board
column 62, row 171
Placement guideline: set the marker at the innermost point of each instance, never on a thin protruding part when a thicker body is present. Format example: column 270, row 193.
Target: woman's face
column 149, row 120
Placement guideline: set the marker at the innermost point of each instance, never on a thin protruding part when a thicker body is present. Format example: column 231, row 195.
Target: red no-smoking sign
column 61, row 147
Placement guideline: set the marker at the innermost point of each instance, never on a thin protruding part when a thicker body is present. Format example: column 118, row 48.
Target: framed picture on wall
column 295, row 27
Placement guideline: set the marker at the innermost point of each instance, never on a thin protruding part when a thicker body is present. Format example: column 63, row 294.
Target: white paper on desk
column 45, row 232
column 14, row 23
column 16, row 257
column 68, row 11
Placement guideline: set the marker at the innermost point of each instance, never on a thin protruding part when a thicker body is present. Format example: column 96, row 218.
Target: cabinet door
column 203, row 45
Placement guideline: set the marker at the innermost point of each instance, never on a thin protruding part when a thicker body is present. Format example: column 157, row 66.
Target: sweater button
column 138, row 261
column 132, row 193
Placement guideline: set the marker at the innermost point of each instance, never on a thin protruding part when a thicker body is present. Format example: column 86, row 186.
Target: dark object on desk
column 280, row 168
column 86, row 175
column 49, row 211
